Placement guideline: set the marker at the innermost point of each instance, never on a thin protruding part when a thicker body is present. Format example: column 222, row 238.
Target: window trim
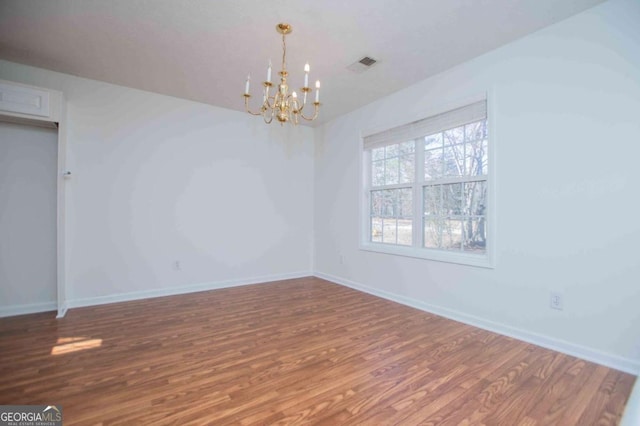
column 485, row 261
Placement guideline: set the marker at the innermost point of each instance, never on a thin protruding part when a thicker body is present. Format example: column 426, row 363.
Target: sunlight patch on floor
column 66, row 345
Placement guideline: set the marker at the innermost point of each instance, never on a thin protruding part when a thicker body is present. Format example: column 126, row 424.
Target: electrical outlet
column 556, row 301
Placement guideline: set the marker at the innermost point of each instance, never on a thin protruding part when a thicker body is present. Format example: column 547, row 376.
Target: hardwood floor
column 299, row 351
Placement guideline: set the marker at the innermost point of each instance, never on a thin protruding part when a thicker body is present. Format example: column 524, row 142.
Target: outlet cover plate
column 556, row 300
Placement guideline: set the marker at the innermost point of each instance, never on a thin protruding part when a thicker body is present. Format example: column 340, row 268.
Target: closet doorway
column 28, row 217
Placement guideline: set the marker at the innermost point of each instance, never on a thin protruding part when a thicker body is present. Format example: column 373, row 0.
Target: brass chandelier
column 283, row 106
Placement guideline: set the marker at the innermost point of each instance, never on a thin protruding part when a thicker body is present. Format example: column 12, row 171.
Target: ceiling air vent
column 367, row 61
column 362, row 64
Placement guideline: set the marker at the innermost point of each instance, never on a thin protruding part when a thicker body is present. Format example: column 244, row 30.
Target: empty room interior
column 336, row 213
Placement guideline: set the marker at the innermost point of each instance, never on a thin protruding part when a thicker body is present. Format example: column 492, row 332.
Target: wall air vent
column 362, row 64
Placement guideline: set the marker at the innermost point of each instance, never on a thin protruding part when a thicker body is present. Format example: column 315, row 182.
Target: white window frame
column 485, row 260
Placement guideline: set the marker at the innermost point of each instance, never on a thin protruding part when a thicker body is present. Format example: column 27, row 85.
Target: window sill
column 477, row 260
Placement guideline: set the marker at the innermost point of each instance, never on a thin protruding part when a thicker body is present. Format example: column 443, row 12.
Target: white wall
column 28, row 163
column 158, row 179
column 566, row 108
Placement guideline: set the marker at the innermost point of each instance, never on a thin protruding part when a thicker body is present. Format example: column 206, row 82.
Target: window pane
column 405, row 203
column 452, row 234
column 390, row 197
column 475, row 131
column 407, row 148
column 433, row 164
column 454, row 136
column 476, row 162
column 392, row 203
column 377, row 173
column 454, row 160
column 376, row 229
column 475, row 198
column 433, row 141
column 485, row 157
column 475, row 235
column 405, row 232
column 391, row 171
column 389, row 230
column 377, row 154
column 391, row 151
column 432, row 232
column 376, row 203
column 452, row 198
column 392, row 216
column 432, row 200
column 407, row 169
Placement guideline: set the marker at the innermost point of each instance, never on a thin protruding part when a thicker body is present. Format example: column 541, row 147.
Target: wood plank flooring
column 301, row 351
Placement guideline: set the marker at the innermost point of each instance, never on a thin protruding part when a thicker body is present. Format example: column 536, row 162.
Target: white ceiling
column 203, row 49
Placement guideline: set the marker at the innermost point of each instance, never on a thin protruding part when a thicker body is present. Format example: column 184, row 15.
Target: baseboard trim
column 172, row 291
column 627, row 365
column 33, row 308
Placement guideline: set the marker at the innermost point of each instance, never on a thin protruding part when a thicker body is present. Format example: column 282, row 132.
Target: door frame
column 63, row 176
column 55, row 116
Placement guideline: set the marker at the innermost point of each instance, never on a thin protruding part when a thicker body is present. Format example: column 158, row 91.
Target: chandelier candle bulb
column 318, row 91
column 246, row 86
column 306, row 74
column 269, row 72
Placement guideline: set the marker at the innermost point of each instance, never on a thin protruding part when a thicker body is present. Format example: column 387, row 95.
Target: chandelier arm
column 267, row 112
column 316, row 109
column 246, row 105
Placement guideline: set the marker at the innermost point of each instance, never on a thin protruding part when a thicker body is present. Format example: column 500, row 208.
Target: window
column 426, row 187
